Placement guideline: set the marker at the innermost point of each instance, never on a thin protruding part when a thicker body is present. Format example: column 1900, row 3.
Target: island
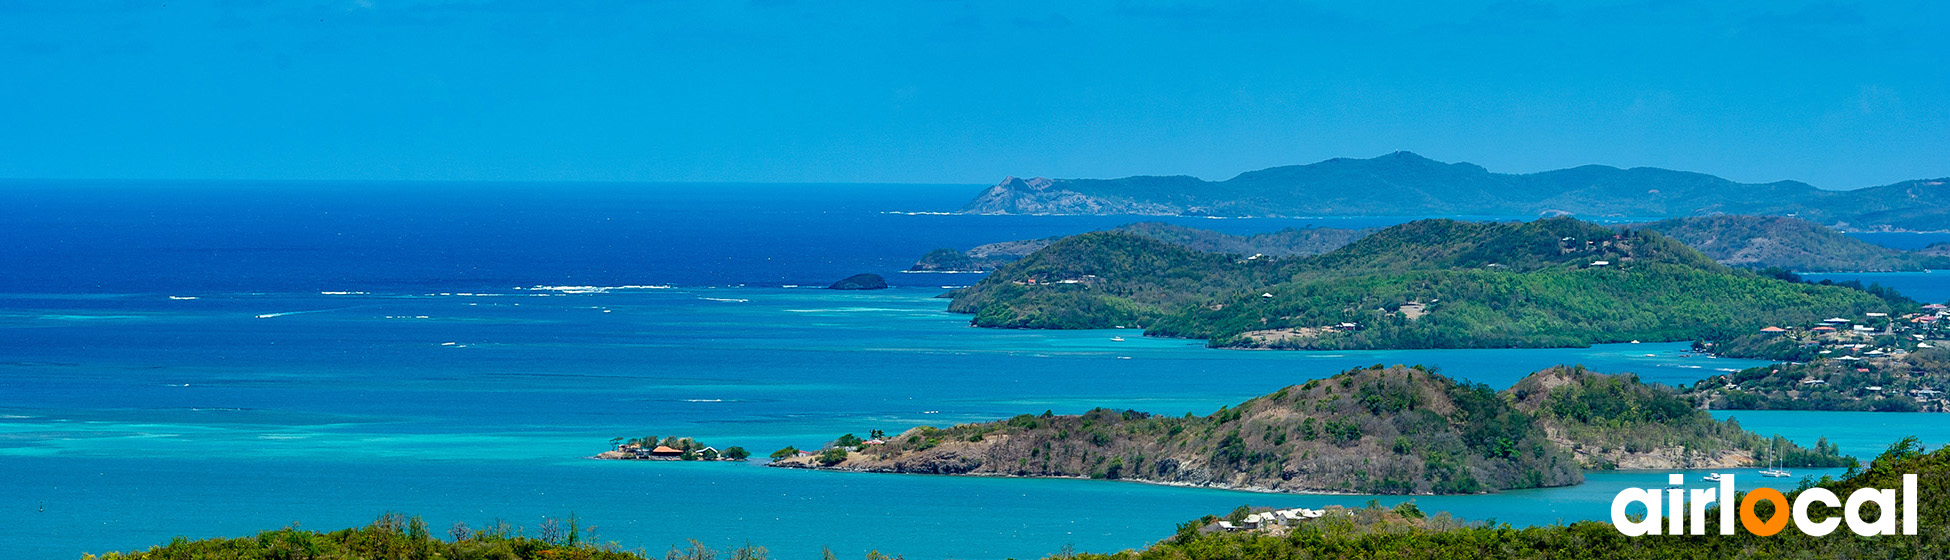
column 1555, row 282
column 649, row 448
column 1406, row 184
column 866, row 281
column 1375, row 430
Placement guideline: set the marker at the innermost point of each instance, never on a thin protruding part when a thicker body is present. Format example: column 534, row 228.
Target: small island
column 867, row 281
column 649, row 448
column 1376, row 430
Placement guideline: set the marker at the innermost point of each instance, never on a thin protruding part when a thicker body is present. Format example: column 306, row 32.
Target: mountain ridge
column 1405, row 183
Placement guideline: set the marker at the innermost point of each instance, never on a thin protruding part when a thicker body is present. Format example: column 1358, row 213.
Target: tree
column 788, row 451
column 832, row 456
column 736, row 453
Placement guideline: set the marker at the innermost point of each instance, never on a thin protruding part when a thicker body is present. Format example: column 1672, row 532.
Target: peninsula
column 1380, row 430
column 1556, row 282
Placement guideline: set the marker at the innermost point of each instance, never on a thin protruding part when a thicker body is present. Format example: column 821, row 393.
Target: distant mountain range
column 1406, row 184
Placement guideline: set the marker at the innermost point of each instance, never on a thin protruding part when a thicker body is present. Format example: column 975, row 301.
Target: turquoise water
column 128, row 417
column 131, row 418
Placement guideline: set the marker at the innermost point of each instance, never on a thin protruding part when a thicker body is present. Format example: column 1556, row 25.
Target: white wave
column 341, row 293
column 919, row 213
column 182, row 298
column 703, row 400
column 594, row 289
column 726, row 300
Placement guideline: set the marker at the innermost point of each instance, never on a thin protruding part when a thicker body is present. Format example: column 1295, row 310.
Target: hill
column 1406, row 184
column 1790, row 244
column 1284, row 243
column 1424, row 284
column 1399, row 430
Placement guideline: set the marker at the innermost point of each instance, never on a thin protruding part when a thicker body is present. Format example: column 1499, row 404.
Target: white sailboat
column 1774, row 470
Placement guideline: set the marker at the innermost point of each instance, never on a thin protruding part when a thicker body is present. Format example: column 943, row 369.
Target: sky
column 1837, row 94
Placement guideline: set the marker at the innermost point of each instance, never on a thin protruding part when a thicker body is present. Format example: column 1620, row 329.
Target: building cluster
column 1266, row 519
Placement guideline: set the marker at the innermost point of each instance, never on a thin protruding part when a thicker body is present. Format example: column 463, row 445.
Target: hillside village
column 1874, row 362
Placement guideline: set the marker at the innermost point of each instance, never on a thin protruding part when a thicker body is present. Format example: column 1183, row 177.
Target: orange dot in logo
column 1753, row 523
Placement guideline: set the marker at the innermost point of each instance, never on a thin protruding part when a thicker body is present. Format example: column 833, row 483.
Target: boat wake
column 305, row 312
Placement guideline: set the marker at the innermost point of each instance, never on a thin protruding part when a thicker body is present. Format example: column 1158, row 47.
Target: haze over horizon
column 1838, row 95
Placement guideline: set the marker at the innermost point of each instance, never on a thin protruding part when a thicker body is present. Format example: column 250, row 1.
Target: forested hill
column 1790, row 244
column 1399, row 430
column 1423, row 284
column 1284, row 243
column 1405, row 184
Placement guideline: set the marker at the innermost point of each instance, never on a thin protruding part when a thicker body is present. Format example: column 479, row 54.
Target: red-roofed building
column 1773, row 330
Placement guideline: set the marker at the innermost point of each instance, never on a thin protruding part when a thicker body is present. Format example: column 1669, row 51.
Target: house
column 666, row 451
column 1773, row 330
column 876, row 441
column 1600, row 263
column 1823, row 329
column 1837, row 321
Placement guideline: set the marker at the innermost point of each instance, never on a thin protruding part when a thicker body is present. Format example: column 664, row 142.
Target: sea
column 216, row 359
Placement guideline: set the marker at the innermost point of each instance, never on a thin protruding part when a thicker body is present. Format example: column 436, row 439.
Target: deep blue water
column 457, row 390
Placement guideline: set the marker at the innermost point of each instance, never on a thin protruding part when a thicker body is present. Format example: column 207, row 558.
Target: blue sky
column 1836, row 94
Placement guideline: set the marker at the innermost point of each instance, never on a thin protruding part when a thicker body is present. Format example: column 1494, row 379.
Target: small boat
column 1116, row 339
column 1776, row 473
column 1713, row 477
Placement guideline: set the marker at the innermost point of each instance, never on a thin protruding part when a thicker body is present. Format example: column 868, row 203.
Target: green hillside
column 1424, row 284
column 1400, row 430
column 1790, row 244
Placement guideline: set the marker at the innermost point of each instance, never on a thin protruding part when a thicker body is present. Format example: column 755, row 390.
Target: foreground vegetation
column 1376, row 430
column 1425, row 284
column 1405, row 533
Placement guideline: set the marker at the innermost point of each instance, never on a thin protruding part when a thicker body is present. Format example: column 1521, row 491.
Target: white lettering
column 1809, row 497
column 1885, row 501
column 1647, row 526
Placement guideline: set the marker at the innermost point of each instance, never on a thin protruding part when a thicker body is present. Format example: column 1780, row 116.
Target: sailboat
column 1775, row 470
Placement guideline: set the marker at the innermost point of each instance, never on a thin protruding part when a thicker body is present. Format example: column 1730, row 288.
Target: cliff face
column 1397, row 430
